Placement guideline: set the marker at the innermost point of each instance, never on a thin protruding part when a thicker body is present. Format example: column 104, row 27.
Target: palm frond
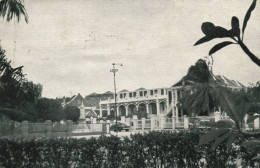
column 10, row 9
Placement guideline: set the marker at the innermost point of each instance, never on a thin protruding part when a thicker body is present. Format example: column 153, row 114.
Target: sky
column 69, row 46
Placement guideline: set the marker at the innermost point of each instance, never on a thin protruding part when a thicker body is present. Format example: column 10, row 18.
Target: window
column 162, row 91
column 141, row 93
column 124, row 95
column 134, row 94
column 151, row 92
column 130, row 94
column 121, row 96
column 145, row 93
column 155, row 91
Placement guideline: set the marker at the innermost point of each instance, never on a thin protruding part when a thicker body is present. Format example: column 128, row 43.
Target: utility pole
column 114, row 70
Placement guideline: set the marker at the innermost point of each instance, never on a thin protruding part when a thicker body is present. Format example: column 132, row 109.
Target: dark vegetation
column 72, row 113
column 152, row 149
column 211, row 32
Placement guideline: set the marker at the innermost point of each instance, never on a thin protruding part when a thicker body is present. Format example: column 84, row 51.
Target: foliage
column 11, row 9
column 49, row 109
column 153, row 149
column 200, row 94
column 17, row 93
column 211, row 32
column 72, row 113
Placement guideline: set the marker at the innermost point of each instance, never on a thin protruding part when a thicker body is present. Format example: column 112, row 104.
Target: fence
column 50, row 129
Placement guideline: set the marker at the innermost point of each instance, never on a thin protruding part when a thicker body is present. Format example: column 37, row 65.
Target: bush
column 153, row 149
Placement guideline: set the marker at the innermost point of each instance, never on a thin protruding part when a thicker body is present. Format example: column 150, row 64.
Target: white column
column 117, row 110
column 217, row 116
column 162, row 121
column 135, row 122
column 147, row 108
column 173, row 99
column 256, row 122
column 126, row 110
column 100, row 110
column 123, row 119
column 175, row 103
column 173, row 123
column 157, row 107
column 127, row 121
column 186, row 122
column 108, row 109
column 143, row 123
column 152, row 122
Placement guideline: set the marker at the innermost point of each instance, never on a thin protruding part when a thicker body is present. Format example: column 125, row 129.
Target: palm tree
column 10, row 9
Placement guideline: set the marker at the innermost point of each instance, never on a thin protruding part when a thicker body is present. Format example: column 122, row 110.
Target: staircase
column 168, row 110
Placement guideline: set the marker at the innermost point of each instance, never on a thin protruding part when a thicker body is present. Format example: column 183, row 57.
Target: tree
column 72, row 113
column 49, row 109
column 211, row 32
column 10, row 9
column 201, row 91
column 237, row 105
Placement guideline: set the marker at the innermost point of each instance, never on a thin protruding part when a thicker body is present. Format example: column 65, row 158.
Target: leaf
column 203, row 40
column 248, row 14
column 221, row 139
column 219, row 46
column 208, row 28
column 221, row 32
column 251, row 144
column 235, row 27
column 212, row 135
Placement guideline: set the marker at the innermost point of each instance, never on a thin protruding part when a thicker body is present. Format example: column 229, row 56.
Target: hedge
column 153, row 149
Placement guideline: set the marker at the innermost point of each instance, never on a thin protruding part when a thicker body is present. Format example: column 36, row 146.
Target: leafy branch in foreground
column 211, row 32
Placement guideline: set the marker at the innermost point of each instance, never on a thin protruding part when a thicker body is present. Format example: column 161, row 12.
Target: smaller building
column 87, row 109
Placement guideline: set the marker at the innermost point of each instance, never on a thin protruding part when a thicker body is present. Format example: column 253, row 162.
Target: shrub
column 153, row 149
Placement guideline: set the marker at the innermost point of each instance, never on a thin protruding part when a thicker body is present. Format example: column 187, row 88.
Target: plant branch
column 254, row 58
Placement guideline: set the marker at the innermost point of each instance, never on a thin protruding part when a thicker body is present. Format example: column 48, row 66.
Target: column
column 117, row 110
column 147, row 108
column 127, row 121
column 143, row 123
column 173, row 97
column 100, row 110
column 123, row 119
column 173, row 123
column 157, row 107
column 126, row 110
column 176, row 108
column 217, row 116
column 152, row 122
column 108, row 109
column 135, row 121
column 162, row 121
column 186, row 122
column 256, row 122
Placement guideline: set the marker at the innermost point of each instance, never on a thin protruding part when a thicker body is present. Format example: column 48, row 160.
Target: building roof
column 90, row 113
column 123, row 91
column 77, row 101
column 108, row 93
column 141, row 88
column 221, row 79
column 93, row 94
